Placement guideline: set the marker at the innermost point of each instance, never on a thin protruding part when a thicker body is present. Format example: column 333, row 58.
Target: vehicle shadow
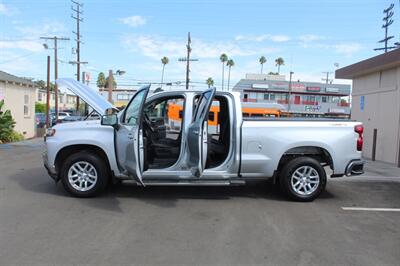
column 38, row 181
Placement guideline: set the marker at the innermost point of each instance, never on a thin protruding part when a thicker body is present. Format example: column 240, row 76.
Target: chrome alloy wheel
column 305, row 180
column 82, row 176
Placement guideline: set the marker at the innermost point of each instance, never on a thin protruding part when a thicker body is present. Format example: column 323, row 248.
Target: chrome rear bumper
column 355, row 167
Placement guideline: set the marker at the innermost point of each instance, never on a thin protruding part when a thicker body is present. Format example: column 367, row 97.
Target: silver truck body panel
column 256, row 147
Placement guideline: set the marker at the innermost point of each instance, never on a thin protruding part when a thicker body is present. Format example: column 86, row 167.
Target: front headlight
column 50, row 132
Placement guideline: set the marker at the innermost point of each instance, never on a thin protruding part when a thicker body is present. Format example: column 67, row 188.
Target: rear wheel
column 303, row 179
column 84, row 174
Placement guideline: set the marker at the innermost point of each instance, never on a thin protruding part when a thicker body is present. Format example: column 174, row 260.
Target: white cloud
column 134, row 21
column 28, row 45
column 156, row 47
column 307, row 39
column 348, row 49
column 279, row 38
column 7, row 10
column 263, row 37
column 254, row 38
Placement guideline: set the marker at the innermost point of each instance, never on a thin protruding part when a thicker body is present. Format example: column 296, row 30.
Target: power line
column 55, row 39
column 387, row 22
column 77, row 17
column 188, row 60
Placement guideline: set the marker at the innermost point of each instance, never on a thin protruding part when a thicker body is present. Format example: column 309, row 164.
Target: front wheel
column 84, row 174
column 303, row 179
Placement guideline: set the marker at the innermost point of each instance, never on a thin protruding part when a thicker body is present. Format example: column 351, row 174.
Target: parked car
column 61, row 115
column 40, row 119
column 87, row 155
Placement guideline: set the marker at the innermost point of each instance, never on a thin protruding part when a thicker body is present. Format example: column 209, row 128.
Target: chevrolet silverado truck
column 142, row 143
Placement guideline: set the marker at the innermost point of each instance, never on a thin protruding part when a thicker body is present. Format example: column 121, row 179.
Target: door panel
column 198, row 134
column 129, row 137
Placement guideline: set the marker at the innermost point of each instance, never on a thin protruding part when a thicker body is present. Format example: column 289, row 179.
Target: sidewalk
column 381, row 169
column 34, row 143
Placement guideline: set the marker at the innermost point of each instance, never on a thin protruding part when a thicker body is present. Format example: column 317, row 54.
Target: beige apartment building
column 66, row 101
column 376, row 103
column 19, row 96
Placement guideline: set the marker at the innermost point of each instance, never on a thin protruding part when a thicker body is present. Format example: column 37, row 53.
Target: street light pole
column 290, row 89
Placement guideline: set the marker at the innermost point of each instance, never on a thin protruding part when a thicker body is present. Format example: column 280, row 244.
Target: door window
column 132, row 112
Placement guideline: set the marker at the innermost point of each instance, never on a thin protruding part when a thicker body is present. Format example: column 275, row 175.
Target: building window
column 324, row 100
column 266, row 96
column 40, row 96
column 26, row 105
column 60, row 97
column 122, row 97
column 272, row 97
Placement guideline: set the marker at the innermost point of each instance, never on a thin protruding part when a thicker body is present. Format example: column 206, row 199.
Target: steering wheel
column 148, row 122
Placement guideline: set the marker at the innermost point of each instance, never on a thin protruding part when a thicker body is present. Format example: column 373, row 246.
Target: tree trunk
column 279, row 69
column 262, row 66
column 162, row 75
column 229, row 76
column 223, row 66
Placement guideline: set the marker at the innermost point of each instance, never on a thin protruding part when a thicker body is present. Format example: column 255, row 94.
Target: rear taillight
column 359, row 129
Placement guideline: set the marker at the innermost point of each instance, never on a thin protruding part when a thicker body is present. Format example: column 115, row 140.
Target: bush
column 7, row 124
column 40, row 108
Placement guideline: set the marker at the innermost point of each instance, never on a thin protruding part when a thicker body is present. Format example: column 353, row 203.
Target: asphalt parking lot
column 249, row 225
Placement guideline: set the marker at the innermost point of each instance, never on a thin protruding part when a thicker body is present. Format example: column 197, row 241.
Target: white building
column 19, row 97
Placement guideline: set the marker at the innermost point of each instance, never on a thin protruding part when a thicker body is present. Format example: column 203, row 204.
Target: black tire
column 288, row 171
column 101, row 169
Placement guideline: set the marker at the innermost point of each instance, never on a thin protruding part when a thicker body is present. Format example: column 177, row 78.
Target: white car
column 61, row 115
column 139, row 143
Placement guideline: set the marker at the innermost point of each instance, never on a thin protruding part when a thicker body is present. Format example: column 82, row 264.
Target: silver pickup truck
column 167, row 139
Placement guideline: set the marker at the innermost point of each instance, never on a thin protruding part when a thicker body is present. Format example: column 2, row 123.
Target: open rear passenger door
column 129, row 137
column 198, row 133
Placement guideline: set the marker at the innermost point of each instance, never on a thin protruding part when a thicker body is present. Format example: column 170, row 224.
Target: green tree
column 223, row 58
column 114, row 83
column 210, row 82
column 7, row 124
column 41, row 84
column 164, row 61
column 279, row 62
column 101, row 80
column 230, row 63
column 40, row 108
column 262, row 61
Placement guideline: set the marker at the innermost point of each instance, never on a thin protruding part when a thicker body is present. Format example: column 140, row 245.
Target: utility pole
column 327, row 80
column 48, row 93
column 188, row 60
column 77, row 17
column 110, row 85
column 55, row 39
column 290, row 89
column 387, row 22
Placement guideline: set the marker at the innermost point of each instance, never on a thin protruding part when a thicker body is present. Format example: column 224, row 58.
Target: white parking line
column 371, row 209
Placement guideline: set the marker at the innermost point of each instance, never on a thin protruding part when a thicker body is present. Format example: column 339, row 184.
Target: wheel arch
column 66, row 151
column 319, row 153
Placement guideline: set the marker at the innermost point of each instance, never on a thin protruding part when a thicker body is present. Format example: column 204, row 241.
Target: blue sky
column 310, row 35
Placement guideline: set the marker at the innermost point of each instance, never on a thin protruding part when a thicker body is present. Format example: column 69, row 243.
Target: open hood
column 87, row 94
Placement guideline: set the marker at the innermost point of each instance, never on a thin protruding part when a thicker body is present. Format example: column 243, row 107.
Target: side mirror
column 109, row 120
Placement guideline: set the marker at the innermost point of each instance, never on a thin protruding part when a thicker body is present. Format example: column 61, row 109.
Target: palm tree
column 262, row 61
column 164, row 61
column 230, row 63
column 279, row 62
column 223, row 58
column 210, row 82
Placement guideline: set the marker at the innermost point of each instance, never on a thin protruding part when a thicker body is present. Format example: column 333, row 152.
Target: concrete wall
column 14, row 97
column 381, row 111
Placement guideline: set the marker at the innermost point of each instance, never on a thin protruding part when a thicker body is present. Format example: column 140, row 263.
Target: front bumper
column 355, row 167
column 51, row 170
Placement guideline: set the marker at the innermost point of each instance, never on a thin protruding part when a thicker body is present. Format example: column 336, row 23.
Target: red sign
column 317, row 89
column 298, row 87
